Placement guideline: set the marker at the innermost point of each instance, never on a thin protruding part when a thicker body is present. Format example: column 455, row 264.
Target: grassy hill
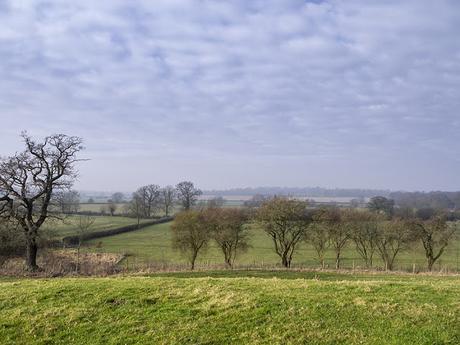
column 153, row 244
column 232, row 308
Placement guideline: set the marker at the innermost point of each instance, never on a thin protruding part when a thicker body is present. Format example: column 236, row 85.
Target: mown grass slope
column 232, row 308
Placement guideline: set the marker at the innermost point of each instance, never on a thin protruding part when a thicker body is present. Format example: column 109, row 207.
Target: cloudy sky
column 239, row 93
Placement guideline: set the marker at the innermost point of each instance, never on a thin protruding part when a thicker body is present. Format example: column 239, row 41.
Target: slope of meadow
column 232, row 308
column 153, row 244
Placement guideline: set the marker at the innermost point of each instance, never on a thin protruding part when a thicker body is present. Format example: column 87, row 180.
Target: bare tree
column 112, row 207
column 382, row 205
column 286, row 222
column 187, row 194
column 363, row 231
column 228, row 228
column 168, row 198
column 318, row 233
column 434, row 232
column 29, row 179
column 190, row 236
column 338, row 232
column 392, row 237
column 136, row 207
column 117, row 197
column 67, row 201
column 149, row 197
column 84, row 225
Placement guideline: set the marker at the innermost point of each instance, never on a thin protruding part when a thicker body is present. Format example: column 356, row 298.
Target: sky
column 351, row 93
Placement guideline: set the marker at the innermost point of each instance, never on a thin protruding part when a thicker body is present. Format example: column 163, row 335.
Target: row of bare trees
column 289, row 223
column 227, row 227
column 151, row 198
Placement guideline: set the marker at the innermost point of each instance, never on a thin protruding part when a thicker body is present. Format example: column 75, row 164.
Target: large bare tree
column 28, row 181
column 187, row 194
column 149, row 197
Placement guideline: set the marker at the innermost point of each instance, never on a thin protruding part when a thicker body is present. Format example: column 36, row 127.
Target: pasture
column 101, row 207
column 153, row 245
column 59, row 229
column 232, row 308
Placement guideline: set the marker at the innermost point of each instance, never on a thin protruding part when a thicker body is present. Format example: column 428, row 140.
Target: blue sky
column 239, row 93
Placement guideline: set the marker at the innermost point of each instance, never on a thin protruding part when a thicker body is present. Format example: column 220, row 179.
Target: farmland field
column 98, row 207
column 153, row 244
column 232, row 308
column 69, row 226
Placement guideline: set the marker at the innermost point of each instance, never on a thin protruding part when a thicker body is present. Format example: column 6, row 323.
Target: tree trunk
column 192, row 261
column 31, row 255
column 322, row 263
column 228, row 262
column 337, row 260
column 285, row 261
column 430, row 264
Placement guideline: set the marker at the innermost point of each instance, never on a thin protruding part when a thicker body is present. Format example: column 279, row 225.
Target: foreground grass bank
column 232, row 307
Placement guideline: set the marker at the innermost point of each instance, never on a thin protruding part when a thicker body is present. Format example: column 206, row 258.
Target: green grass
column 153, row 244
column 232, row 308
column 69, row 226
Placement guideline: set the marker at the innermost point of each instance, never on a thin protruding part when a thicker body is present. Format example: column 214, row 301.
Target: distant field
column 69, row 226
column 243, row 198
column 232, row 308
column 98, row 207
column 153, row 244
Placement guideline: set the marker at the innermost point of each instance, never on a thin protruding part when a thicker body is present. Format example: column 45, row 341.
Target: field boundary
column 74, row 239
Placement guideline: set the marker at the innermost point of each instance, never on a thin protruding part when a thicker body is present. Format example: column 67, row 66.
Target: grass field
column 232, row 308
column 69, row 226
column 153, row 244
column 99, row 206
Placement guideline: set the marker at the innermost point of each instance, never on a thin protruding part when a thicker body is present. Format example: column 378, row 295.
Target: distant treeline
column 304, row 191
column 418, row 200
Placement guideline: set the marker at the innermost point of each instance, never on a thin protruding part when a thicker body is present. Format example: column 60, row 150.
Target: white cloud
column 238, row 81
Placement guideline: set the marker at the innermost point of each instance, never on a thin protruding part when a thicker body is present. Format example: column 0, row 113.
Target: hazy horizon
column 336, row 94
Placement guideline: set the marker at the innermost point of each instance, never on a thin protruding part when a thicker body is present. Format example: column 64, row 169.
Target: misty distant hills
column 301, row 191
